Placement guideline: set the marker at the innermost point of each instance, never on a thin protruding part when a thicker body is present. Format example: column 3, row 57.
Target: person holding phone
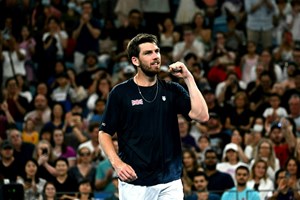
column 143, row 112
column 44, row 156
column 32, row 183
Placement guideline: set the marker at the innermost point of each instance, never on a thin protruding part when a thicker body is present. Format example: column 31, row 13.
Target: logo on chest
column 137, row 102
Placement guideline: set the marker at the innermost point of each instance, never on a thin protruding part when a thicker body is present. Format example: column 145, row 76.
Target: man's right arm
column 125, row 172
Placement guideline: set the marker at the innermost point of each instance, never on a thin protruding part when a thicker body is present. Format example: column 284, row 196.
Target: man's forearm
column 199, row 110
column 106, row 143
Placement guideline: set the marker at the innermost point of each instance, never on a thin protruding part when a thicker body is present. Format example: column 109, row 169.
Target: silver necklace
column 144, row 97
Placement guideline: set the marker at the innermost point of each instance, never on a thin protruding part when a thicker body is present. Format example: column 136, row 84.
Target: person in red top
column 283, row 139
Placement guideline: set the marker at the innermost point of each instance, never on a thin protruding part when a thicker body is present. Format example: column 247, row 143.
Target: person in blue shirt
column 241, row 191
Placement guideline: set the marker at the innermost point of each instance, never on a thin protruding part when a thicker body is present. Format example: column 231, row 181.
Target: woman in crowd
column 190, row 168
column 32, row 183
column 85, row 190
column 57, row 118
column 292, row 167
column 265, row 151
column 60, row 149
column 84, row 169
column 44, row 156
column 259, row 180
column 49, row 192
column 230, row 160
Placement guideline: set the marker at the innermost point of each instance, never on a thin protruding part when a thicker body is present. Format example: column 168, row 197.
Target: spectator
column 75, row 133
column 248, row 61
column 202, row 32
column 85, row 190
column 66, row 186
column 49, row 192
column 17, row 104
column 131, row 29
column 235, row 38
column 256, row 134
column 242, row 191
column 84, row 168
column 86, row 35
column 91, row 74
column 187, row 140
column 294, row 111
column 44, row 156
column 23, row 151
column 227, row 90
column 282, row 188
column 292, row 167
column 259, row 180
column 9, row 167
column 289, row 70
column 29, row 134
column 60, row 149
column 275, row 112
column 218, row 181
column 31, row 181
column 188, row 45
column 13, row 58
column 284, row 52
column 259, row 92
column 54, row 44
column 199, row 191
column 93, row 143
column 57, row 118
column 203, row 145
column 28, row 43
column 190, row 168
column 168, row 35
column 230, row 160
column 41, row 113
column 294, row 21
column 258, row 29
column 283, row 140
column 265, row 151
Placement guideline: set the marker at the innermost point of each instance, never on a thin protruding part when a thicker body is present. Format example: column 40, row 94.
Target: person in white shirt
column 230, row 160
column 259, row 180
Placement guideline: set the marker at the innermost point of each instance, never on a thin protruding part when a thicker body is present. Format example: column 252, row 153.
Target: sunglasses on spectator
column 84, row 154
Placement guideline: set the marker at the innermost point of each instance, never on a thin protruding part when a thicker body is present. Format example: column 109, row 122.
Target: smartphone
column 45, row 151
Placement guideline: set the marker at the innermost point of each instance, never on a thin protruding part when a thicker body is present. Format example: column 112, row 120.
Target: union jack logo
column 137, row 102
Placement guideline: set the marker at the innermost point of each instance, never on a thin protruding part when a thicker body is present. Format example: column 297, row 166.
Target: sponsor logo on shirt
column 137, row 102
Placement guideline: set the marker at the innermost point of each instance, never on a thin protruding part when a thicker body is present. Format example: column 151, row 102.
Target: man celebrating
column 143, row 112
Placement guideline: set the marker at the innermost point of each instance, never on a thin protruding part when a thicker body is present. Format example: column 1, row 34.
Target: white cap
column 257, row 128
column 164, row 68
column 129, row 69
column 230, row 146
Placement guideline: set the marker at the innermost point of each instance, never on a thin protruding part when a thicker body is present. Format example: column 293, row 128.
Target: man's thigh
column 168, row 191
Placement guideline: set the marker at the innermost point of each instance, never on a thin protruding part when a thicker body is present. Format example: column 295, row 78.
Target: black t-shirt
column 148, row 133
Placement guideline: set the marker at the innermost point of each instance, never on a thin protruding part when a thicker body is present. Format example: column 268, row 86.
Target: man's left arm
column 199, row 110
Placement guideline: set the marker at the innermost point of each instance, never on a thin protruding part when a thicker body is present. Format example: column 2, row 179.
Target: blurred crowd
column 59, row 59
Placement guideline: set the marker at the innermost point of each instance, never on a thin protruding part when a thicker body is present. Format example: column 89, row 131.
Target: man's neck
column 240, row 188
column 143, row 80
column 210, row 172
column 7, row 161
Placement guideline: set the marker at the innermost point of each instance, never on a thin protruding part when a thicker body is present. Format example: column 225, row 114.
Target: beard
column 242, row 184
column 211, row 167
column 148, row 71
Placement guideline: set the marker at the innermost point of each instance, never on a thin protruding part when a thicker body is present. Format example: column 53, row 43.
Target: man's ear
column 135, row 61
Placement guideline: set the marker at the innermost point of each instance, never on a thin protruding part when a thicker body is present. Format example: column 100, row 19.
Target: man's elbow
column 199, row 116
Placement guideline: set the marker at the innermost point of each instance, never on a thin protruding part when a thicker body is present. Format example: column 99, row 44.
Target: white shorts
column 167, row 191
